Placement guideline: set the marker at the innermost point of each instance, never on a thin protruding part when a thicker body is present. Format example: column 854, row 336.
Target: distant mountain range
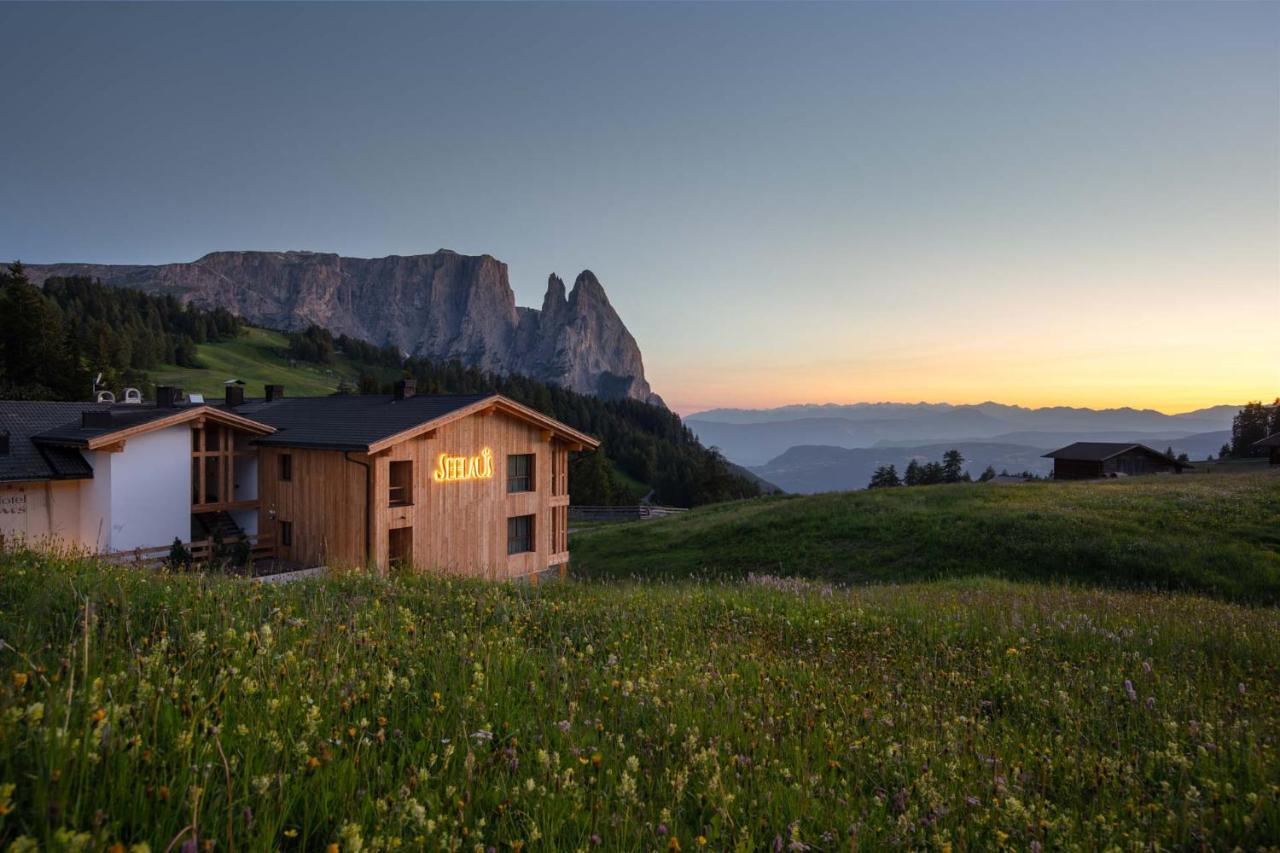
column 441, row 306
column 831, row 447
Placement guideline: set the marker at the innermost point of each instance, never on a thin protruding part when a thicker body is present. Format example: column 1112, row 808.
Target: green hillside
column 258, row 356
column 422, row 713
column 1216, row 533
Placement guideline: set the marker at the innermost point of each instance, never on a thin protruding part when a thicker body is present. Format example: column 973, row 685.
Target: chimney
column 275, row 392
column 406, row 388
column 235, row 395
column 95, row 419
column 4, row 442
column 167, row 396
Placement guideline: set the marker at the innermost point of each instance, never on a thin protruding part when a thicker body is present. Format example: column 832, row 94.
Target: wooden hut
column 1091, row 460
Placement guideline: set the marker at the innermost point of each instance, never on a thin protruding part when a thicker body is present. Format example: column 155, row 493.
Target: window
column 520, row 473
column 286, row 467
column 520, row 534
column 286, row 533
column 401, row 484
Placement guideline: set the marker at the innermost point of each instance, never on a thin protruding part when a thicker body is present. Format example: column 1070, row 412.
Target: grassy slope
column 1216, row 533
column 965, row 715
column 257, row 357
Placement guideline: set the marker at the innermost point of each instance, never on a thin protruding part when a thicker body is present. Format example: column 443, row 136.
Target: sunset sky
column 1029, row 203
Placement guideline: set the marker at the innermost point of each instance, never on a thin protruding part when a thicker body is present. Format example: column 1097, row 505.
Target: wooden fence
column 621, row 513
column 260, row 546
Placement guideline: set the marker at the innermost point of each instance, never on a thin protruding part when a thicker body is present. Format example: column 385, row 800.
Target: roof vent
column 132, row 397
column 95, row 419
column 406, row 388
column 275, row 392
column 167, row 396
column 106, row 397
column 235, row 394
column 195, row 398
column 4, row 442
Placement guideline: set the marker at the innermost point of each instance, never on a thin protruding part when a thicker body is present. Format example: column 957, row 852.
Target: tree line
column 1251, row 424
column 55, row 341
column 949, row 470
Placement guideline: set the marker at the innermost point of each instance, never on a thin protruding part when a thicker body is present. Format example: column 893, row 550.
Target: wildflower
column 596, row 840
column 291, row 833
column 564, row 726
column 702, row 841
column 662, row 829
column 6, row 798
column 19, row 680
column 673, row 844
column 1129, row 691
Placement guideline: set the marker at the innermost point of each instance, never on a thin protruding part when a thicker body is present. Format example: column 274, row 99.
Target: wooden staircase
column 220, row 523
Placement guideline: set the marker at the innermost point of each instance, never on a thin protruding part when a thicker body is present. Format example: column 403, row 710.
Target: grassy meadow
column 156, row 711
column 258, row 357
column 1217, row 534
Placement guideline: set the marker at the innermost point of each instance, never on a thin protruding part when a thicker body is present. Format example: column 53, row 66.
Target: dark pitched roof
column 116, row 416
column 1269, row 441
column 1101, row 451
column 347, row 422
column 27, row 460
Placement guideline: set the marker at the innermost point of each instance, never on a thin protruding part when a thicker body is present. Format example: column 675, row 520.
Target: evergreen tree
column 885, row 476
column 952, row 466
column 1250, row 425
column 911, row 476
column 989, row 473
column 932, row 473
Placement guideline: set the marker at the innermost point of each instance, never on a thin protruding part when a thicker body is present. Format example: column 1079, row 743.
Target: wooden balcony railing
column 260, row 546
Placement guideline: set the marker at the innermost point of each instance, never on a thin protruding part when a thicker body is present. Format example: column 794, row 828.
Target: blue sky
column 1035, row 203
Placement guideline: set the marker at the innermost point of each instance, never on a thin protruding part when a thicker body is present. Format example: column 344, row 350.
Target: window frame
column 406, row 486
column 528, row 479
column 286, row 468
column 522, row 544
column 286, row 534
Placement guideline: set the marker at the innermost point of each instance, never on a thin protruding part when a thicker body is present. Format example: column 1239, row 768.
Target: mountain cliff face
column 440, row 306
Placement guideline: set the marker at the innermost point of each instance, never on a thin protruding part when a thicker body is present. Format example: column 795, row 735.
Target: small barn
column 1091, row 460
column 1272, row 443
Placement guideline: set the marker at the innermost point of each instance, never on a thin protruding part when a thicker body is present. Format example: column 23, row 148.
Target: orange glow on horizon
column 1169, row 380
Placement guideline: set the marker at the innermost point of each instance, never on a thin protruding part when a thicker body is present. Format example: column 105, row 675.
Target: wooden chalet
column 1091, row 460
column 474, row 485
column 1272, row 444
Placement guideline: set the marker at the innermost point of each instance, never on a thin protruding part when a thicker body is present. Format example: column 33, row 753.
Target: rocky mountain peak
column 587, row 288
column 554, row 302
column 441, row 306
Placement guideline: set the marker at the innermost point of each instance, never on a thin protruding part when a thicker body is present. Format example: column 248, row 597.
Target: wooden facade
column 434, row 499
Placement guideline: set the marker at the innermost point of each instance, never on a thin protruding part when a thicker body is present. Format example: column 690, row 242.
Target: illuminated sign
column 451, row 469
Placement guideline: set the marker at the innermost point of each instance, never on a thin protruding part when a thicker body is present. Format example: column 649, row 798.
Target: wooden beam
column 547, row 435
column 118, row 447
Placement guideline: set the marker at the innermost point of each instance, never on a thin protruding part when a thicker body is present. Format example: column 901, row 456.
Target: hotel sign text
column 450, row 469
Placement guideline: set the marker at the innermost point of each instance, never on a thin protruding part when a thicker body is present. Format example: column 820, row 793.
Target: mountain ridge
column 756, row 438
column 443, row 305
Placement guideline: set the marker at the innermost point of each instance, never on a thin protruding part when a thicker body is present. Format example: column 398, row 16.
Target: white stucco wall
column 150, row 488
column 95, row 503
